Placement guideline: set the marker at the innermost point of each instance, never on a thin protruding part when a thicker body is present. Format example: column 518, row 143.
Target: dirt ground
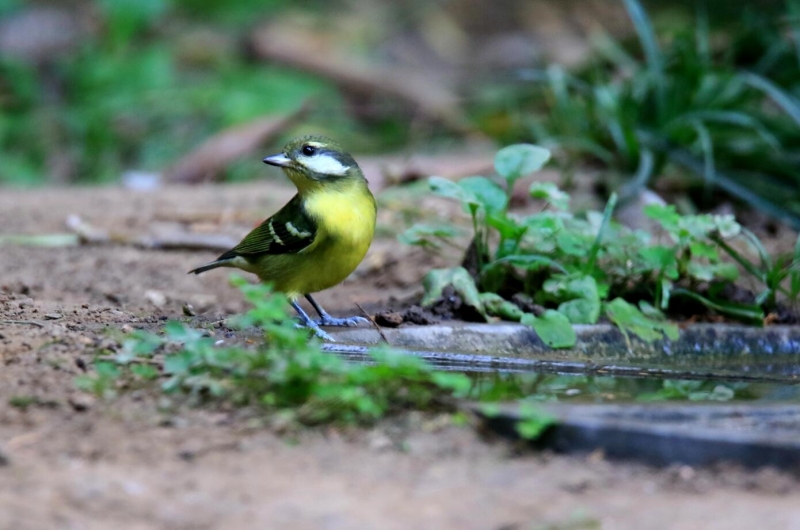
column 70, row 461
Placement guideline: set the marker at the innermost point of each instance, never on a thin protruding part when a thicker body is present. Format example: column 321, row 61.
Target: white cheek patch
column 324, row 164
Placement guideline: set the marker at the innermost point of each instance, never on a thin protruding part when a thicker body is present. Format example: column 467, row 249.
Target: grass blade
column 748, row 312
column 727, row 117
column 707, row 146
column 652, row 52
column 610, row 205
column 685, row 159
column 642, row 176
column 647, row 37
column 788, row 103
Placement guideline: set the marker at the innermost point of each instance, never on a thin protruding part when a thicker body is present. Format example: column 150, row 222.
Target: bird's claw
column 313, row 326
column 340, row 322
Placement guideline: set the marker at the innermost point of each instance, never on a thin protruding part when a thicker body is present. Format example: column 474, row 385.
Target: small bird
column 319, row 237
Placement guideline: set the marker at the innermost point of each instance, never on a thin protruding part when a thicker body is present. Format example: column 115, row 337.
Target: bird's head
column 312, row 162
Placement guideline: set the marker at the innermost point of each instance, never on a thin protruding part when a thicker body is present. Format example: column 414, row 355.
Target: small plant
column 724, row 117
column 287, row 373
column 552, row 269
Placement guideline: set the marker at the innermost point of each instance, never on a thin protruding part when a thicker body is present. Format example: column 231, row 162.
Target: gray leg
column 327, row 320
column 310, row 324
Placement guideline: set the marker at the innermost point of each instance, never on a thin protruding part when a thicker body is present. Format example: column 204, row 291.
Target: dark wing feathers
column 290, row 230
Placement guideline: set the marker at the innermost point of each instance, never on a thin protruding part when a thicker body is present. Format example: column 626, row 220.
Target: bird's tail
column 209, row 266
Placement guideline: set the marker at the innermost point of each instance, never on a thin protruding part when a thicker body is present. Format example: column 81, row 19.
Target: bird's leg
column 327, row 320
column 309, row 323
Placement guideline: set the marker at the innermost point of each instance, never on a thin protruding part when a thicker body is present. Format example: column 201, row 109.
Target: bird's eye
column 309, row 150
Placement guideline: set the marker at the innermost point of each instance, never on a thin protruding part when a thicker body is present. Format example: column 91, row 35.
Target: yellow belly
column 346, row 225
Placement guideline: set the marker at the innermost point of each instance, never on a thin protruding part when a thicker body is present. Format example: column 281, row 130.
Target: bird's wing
column 290, row 230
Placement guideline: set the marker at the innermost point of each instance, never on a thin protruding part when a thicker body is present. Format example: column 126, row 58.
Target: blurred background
column 695, row 99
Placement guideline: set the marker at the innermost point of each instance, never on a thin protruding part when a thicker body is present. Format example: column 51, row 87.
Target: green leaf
column 421, row 234
column 532, row 262
column 661, row 259
column 437, row 280
column 533, row 422
column 665, row 214
column 547, row 191
column 703, row 249
column 496, row 305
column 507, row 227
column 106, row 369
column 713, row 271
column 178, row 363
column 727, row 226
column 484, row 193
column 719, row 393
column 629, row 319
column 459, row 384
column 447, row 188
column 518, row 160
column 145, row 371
column 574, row 243
column 580, row 301
column 180, row 332
column 553, row 328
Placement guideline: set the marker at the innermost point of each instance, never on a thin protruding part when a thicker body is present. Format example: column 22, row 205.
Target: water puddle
column 508, row 378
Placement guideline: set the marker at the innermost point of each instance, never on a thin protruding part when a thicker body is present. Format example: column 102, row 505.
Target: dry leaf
column 207, row 161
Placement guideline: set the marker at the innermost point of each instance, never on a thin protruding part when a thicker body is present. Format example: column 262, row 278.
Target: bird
column 319, row 237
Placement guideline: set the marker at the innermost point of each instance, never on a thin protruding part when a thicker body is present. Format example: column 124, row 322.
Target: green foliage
column 725, row 116
column 630, row 319
column 22, row 402
column 579, row 268
column 287, row 373
column 459, row 279
column 553, row 328
column 534, row 421
column 132, row 98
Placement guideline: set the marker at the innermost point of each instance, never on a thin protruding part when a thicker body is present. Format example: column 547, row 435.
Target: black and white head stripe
column 318, row 158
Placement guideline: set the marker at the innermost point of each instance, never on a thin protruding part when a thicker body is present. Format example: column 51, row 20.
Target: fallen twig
column 89, row 235
column 209, row 159
column 40, row 240
column 23, row 322
column 371, row 319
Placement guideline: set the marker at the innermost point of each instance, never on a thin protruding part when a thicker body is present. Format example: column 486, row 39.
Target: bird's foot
column 328, row 320
column 313, row 326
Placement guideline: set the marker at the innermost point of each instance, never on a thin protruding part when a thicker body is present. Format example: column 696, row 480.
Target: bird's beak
column 279, row 160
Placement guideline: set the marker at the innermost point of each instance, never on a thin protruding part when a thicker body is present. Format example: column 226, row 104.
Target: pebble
column 81, row 402
column 53, row 316
column 188, row 310
column 389, row 319
column 157, row 298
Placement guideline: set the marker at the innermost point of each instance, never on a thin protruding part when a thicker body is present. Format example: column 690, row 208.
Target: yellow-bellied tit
column 319, row 237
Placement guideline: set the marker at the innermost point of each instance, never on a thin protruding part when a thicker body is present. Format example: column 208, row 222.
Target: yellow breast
column 346, row 214
column 345, row 220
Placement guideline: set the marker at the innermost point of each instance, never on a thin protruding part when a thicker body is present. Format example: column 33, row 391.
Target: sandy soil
column 69, row 461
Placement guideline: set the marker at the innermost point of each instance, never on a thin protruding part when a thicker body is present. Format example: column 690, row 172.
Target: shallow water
column 507, row 378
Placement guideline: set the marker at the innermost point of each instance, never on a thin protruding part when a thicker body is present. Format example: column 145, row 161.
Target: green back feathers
column 289, row 230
